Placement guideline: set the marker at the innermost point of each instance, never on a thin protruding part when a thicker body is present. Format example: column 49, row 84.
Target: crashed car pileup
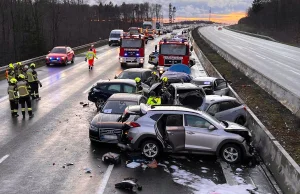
column 173, row 51
column 132, row 50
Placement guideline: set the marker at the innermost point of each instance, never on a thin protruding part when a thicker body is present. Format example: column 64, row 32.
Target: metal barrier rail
column 3, row 68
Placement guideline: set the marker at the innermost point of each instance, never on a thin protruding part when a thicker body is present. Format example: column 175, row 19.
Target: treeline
column 30, row 28
column 280, row 18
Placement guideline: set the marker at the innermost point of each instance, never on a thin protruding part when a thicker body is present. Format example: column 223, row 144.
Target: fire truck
column 173, row 51
column 132, row 50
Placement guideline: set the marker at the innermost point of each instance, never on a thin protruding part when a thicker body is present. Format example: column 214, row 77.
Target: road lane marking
column 105, row 179
column 4, row 158
column 260, row 56
column 295, row 72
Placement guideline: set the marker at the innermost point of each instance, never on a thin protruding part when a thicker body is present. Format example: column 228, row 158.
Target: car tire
column 99, row 103
column 66, row 62
column 141, row 65
column 240, row 120
column 150, row 149
column 123, row 65
column 73, row 59
column 231, row 153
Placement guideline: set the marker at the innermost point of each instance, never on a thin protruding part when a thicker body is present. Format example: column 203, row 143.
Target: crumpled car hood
column 235, row 127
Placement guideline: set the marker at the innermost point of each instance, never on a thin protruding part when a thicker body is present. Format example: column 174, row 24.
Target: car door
column 69, row 54
column 198, row 136
column 220, row 87
column 113, row 88
column 170, row 130
column 227, row 111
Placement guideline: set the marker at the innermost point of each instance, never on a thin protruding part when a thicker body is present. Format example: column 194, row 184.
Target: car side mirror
column 192, row 48
column 146, row 42
column 211, row 127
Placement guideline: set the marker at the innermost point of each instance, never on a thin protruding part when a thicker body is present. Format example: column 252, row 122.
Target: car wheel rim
column 150, row 150
column 100, row 103
column 230, row 154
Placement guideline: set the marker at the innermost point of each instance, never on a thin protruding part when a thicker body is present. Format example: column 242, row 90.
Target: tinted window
column 173, row 49
column 129, row 89
column 114, row 35
column 195, row 121
column 225, row 106
column 155, row 117
column 174, row 121
column 129, row 75
column 102, row 87
column 132, row 43
column 220, row 84
column 235, row 104
column 58, row 50
column 116, row 107
column 114, row 88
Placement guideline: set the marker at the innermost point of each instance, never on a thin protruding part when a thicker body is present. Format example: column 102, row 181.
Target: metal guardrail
column 3, row 68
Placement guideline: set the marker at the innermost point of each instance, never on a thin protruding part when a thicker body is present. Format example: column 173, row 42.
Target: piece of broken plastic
column 129, row 184
column 88, row 170
column 133, row 165
column 153, row 164
column 111, row 158
column 81, row 103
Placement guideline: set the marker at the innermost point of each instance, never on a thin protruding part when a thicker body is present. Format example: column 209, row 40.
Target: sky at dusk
column 225, row 11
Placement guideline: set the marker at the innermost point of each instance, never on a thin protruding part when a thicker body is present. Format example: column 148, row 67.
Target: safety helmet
column 13, row 80
column 92, row 45
column 25, row 67
column 21, row 76
column 19, row 63
column 137, row 80
column 32, row 65
column 11, row 66
column 164, row 79
column 153, row 73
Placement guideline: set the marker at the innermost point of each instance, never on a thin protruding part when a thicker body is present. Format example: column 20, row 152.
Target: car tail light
column 245, row 108
column 134, row 124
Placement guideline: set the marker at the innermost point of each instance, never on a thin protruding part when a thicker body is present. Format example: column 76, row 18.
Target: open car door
column 171, row 132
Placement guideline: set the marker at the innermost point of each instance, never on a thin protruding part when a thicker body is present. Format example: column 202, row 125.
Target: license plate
column 109, row 137
column 131, row 59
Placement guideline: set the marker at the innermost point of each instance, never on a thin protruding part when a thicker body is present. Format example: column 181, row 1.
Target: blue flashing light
column 125, row 54
column 58, row 58
column 137, row 54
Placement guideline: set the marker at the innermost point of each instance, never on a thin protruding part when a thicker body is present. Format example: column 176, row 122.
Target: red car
column 60, row 55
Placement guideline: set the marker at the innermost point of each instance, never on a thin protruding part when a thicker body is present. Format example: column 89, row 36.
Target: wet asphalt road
column 33, row 152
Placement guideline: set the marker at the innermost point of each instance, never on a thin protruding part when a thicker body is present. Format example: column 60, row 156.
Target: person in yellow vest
column 138, row 87
column 24, row 97
column 19, row 69
column 90, row 56
column 33, row 82
column 153, row 99
column 10, row 72
column 13, row 97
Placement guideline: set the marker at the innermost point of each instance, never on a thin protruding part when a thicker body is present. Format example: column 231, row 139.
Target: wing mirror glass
column 211, row 127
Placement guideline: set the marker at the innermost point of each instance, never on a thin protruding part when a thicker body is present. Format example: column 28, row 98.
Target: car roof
column 125, row 97
column 60, row 46
column 137, row 70
column 174, row 108
column 127, row 81
column 117, row 30
column 209, row 79
column 218, row 98
column 185, row 86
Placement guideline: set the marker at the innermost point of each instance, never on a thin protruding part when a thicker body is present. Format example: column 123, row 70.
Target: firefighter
column 166, row 97
column 13, row 97
column 24, row 72
column 154, row 99
column 33, row 82
column 153, row 79
column 10, row 72
column 139, row 88
column 24, row 97
column 94, row 50
column 19, row 69
column 90, row 56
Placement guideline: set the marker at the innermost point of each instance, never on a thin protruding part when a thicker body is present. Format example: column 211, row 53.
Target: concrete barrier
column 284, row 169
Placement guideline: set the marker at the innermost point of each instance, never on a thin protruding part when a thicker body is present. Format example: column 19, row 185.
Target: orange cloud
column 230, row 18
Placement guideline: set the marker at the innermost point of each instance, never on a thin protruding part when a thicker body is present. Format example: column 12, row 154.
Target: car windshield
column 131, row 43
column 129, row 75
column 116, row 107
column 173, row 49
column 58, row 50
column 114, row 35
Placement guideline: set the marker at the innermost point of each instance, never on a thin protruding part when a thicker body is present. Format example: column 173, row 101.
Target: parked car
column 153, row 58
column 182, row 130
column 115, row 37
column 225, row 108
column 132, row 73
column 114, row 107
column 60, row 55
column 212, row 85
column 103, row 89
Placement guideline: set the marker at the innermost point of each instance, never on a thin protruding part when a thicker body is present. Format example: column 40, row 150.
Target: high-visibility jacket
column 23, row 88
column 31, row 75
column 10, row 73
column 90, row 55
column 12, row 92
column 154, row 100
column 19, row 70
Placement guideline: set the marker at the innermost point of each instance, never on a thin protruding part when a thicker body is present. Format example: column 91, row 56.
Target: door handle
column 189, row 132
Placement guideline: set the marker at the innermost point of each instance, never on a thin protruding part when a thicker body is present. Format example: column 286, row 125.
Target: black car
column 103, row 89
column 114, row 107
column 132, row 73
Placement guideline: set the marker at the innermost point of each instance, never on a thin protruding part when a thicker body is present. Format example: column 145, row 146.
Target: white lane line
column 295, row 72
column 227, row 171
column 4, row 158
column 105, row 179
column 260, row 57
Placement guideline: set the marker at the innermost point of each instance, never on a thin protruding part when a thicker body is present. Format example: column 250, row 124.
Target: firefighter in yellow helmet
column 10, row 72
column 19, row 69
column 13, row 97
column 24, row 96
column 33, row 82
column 139, row 88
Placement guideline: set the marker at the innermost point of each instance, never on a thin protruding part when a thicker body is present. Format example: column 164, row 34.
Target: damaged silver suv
column 182, row 130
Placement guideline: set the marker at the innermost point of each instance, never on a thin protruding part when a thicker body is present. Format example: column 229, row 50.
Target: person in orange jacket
column 90, row 56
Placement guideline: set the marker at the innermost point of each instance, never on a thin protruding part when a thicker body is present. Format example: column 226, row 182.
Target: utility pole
column 209, row 13
column 170, row 13
column 173, row 13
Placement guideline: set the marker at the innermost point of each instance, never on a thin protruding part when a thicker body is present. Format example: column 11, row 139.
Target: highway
column 33, row 152
column 276, row 61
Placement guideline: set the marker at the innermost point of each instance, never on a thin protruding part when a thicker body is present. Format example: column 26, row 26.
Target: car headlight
column 121, row 59
column 93, row 128
column 161, row 68
column 96, row 90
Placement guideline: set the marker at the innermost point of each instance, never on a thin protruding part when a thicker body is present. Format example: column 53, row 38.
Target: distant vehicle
column 153, row 58
column 111, row 111
column 115, row 37
column 103, row 89
column 212, row 85
column 132, row 73
column 220, row 28
column 135, row 31
column 225, row 108
column 182, row 130
column 60, row 55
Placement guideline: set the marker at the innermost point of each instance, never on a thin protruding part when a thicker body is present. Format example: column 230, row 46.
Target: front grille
column 109, row 131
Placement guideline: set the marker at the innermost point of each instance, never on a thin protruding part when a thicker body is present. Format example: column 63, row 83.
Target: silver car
column 225, row 108
column 182, row 130
column 212, row 85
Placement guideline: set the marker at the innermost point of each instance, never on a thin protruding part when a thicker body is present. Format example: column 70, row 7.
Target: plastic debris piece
column 81, row 103
column 53, row 164
column 63, row 167
column 144, row 166
column 88, row 170
column 129, row 184
column 133, row 165
column 153, row 164
column 69, row 164
column 111, row 158
column 86, row 104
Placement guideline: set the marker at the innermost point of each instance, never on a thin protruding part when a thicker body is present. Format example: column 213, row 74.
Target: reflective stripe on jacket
column 23, row 88
column 12, row 93
column 31, row 75
column 10, row 74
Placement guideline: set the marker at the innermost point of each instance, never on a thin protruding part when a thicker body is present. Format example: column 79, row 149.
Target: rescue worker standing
column 153, row 99
column 138, row 87
column 153, row 79
column 23, row 89
column 90, row 56
column 13, row 97
column 33, row 82
column 10, row 72
column 19, row 69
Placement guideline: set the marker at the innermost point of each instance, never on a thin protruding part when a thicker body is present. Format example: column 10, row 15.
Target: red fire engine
column 132, row 50
column 173, row 51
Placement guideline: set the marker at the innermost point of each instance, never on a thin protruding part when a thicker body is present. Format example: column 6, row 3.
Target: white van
column 115, row 36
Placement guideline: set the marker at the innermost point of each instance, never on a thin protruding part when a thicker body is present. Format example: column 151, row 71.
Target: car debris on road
column 111, row 158
column 129, row 184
